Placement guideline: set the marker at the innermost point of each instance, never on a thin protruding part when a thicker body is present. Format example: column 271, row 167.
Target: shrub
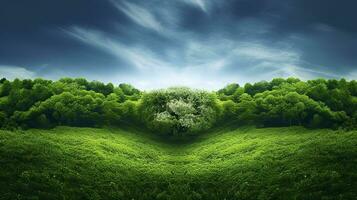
column 179, row 111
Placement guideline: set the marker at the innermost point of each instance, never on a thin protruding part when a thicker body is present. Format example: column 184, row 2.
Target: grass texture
column 227, row 163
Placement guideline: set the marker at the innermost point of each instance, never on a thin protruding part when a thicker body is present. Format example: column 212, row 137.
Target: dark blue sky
column 197, row 43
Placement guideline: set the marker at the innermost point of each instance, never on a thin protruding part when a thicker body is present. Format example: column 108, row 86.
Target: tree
column 352, row 88
column 318, row 91
column 5, row 88
column 179, row 111
column 229, row 110
column 128, row 89
column 2, row 80
column 101, row 87
column 237, row 94
column 256, row 87
column 246, row 109
column 119, row 94
column 229, row 89
column 276, row 82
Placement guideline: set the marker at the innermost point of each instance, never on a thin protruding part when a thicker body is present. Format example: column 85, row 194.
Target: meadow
column 225, row 163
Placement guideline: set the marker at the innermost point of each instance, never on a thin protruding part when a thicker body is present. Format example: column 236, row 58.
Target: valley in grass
column 225, row 163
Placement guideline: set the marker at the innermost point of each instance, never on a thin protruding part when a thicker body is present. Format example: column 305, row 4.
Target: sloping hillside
column 245, row 163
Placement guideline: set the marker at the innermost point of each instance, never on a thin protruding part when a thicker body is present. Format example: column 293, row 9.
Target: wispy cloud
column 352, row 75
column 159, row 43
column 256, row 51
column 154, row 72
column 202, row 64
column 139, row 15
column 202, row 4
column 140, row 58
column 12, row 72
column 291, row 70
column 279, row 62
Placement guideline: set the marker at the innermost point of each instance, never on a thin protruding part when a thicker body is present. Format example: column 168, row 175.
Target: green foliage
column 246, row 110
column 179, row 111
column 128, row 89
column 229, row 110
column 5, row 88
column 2, row 118
column 286, row 102
column 229, row 89
column 76, row 102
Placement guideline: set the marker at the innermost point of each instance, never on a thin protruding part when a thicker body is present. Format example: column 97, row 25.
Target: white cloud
column 153, row 71
column 352, row 75
column 12, row 72
column 279, row 62
column 202, row 4
column 140, row 58
column 203, row 64
column 256, row 51
column 139, row 15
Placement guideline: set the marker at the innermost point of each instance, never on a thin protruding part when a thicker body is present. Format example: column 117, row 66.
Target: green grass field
column 244, row 163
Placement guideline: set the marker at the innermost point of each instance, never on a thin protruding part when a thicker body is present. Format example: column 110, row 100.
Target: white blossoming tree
column 179, row 111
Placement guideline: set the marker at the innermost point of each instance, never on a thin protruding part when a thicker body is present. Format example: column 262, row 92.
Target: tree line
column 316, row 103
column 74, row 102
column 43, row 103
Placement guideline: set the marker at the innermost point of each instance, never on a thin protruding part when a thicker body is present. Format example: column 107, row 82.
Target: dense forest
column 43, row 103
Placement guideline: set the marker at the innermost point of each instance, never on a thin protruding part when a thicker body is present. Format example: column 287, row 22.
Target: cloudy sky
column 196, row 43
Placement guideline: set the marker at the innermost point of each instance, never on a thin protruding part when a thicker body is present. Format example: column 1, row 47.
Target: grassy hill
column 244, row 163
